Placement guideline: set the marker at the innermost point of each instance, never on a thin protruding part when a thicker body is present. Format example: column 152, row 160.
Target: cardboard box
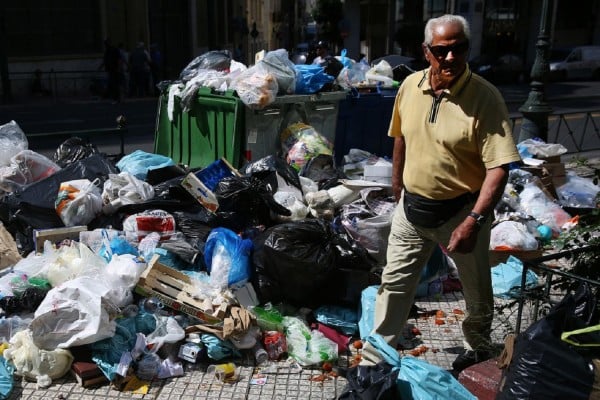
column 55, row 235
column 201, row 184
column 9, row 254
column 380, row 168
column 246, row 295
column 380, row 172
column 174, row 289
column 557, row 172
column 551, row 159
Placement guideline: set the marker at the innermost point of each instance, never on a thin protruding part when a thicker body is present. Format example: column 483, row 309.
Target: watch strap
column 479, row 219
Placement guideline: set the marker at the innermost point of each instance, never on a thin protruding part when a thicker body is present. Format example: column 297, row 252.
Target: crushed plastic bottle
column 148, row 244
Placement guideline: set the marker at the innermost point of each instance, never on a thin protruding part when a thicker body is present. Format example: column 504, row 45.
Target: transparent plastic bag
column 278, row 64
column 578, row 192
column 25, row 167
column 256, row 87
column 12, row 141
column 306, row 346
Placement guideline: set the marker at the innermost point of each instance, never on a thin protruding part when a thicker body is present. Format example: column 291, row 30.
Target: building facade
column 64, row 38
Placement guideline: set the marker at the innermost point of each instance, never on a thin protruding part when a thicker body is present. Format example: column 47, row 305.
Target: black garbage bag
column 294, row 262
column 219, row 60
column 156, row 176
column 376, row 382
column 28, row 301
column 250, row 199
column 332, row 66
column 72, row 150
column 545, row 367
column 32, row 207
column 267, row 168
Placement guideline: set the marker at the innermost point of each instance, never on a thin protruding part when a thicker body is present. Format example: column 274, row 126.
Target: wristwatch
column 479, row 219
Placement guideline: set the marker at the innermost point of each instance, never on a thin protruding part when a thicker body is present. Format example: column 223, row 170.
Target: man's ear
column 425, row 52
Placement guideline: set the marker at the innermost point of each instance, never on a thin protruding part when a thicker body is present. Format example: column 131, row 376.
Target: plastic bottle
column 260, row 354
column 222, row 372
column 150, row 305
column 268, row 318
column 385, row 80
column 148, row 244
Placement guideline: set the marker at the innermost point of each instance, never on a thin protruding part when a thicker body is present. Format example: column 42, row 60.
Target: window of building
column 45, row 28
column 433, row 8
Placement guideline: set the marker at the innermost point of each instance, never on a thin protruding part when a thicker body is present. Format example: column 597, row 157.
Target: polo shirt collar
column 425, row 85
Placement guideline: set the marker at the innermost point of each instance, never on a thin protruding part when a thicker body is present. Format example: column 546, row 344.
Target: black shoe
column 470, row 357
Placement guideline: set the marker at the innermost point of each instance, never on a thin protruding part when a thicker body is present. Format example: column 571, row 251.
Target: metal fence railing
column 58, row 84
column 578, row 131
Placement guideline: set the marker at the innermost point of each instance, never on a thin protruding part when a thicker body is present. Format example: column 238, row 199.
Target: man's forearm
column 491, row 190
column 398, row 157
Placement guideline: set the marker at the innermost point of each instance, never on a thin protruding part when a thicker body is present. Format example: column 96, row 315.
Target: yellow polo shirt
column 451, row 140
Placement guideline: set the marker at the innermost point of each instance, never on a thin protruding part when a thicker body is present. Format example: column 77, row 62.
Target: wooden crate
column 174, row 289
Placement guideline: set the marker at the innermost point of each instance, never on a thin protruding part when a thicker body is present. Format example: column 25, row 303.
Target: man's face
column 447, row 54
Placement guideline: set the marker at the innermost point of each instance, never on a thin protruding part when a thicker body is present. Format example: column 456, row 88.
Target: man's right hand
column 397, row 190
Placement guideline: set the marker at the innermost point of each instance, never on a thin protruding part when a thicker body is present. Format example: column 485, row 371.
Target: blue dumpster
column 363, row 122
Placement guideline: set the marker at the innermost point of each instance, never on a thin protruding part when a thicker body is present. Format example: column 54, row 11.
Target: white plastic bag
column 69, row 262
column 124, row 188
column 35, row 363
column 167, row 331
column 78, row 202
column 73, row 314
column 513, row 235
column 121, row 275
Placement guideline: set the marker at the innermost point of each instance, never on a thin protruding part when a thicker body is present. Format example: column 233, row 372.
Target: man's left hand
column 464, row 237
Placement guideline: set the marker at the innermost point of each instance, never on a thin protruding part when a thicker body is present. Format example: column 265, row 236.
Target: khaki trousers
column 409, row 249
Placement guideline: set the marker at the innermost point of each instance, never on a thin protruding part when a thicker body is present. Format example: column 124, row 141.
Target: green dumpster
column 211, row 130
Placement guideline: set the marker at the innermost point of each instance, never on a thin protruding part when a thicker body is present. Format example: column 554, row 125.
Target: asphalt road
column 38, row 115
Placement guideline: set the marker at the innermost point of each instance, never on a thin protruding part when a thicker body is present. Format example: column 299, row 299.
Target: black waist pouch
column 428, row 213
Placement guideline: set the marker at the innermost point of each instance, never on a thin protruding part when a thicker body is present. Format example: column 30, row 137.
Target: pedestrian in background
column 322, row 48
column 452, row 147
column 123, row 69
column 110, row 63
column 156, row 62
column 139, row 67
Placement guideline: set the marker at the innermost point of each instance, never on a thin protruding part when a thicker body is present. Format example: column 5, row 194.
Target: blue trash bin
column 363, row 122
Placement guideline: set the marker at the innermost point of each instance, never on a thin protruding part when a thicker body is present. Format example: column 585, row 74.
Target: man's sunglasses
column 441, row 52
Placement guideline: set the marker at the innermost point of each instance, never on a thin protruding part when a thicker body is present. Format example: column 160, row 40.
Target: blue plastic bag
column 310, row 78
column 418, row 379
column 227, row 257
column 7, row 371
column 139, row 163
column 341, row 318
column 366, row 320
column 346, row 62
column 506, row 278
column 218, row 349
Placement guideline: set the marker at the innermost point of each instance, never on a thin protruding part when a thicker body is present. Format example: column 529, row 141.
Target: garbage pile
column 140, row 266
